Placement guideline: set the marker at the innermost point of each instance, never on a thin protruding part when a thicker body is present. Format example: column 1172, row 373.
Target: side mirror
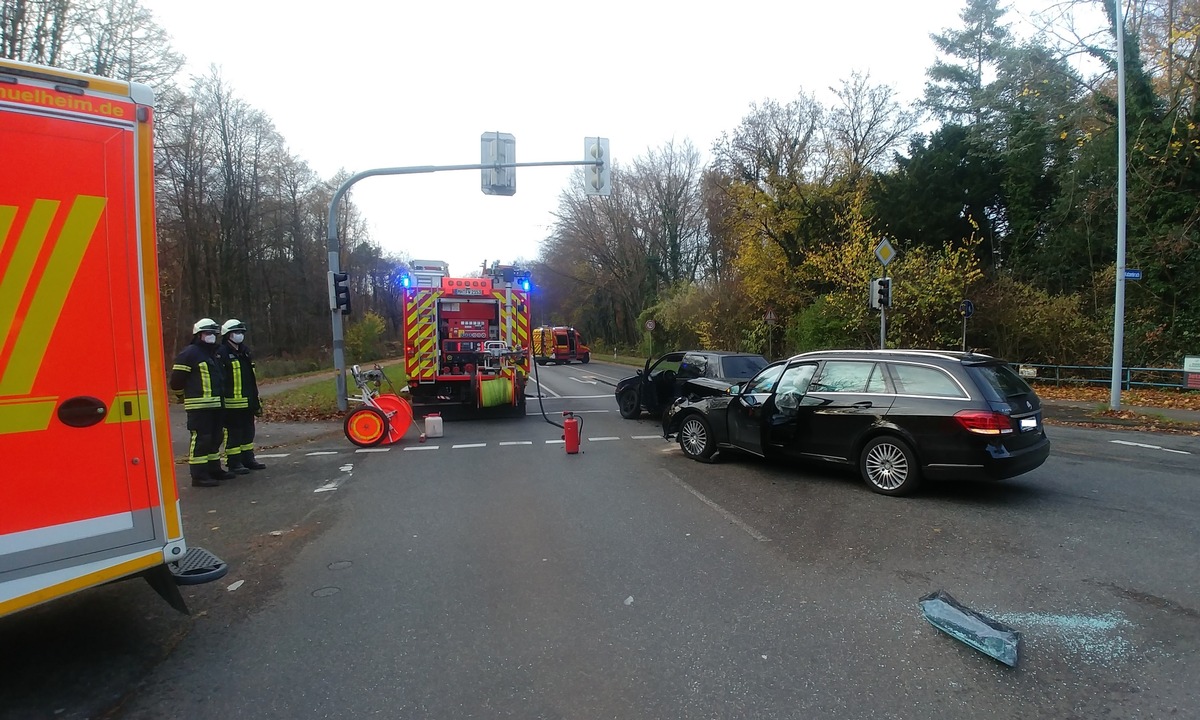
column 734, row 389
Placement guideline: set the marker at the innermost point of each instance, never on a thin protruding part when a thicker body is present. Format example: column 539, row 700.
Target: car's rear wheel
column 889, row 466
column 695, row 438
column 629, row 404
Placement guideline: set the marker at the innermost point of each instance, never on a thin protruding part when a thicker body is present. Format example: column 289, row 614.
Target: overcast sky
column 358, row 84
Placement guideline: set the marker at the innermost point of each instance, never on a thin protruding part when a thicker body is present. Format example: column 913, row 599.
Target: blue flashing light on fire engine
column 405, row 280
column 525, row 284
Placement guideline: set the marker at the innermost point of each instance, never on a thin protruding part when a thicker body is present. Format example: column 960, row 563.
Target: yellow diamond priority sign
column 885, row 252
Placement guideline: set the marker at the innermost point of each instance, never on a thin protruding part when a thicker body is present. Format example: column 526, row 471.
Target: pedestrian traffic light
column 341, row 292
column 883, row 293
column 597, row 178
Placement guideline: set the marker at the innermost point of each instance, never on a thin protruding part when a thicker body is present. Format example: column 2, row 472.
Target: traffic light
column 597, row 179
column 883, row 293
column 880, row 295
column 341, row 292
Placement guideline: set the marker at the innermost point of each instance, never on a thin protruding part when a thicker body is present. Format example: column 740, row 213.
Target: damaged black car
column 690, row 373
column 898, row 416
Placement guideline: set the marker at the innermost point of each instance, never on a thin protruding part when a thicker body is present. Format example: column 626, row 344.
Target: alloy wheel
column 694, row 437
column 886, row 466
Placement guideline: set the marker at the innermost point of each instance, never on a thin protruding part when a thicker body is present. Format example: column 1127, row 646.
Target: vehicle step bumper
column 198, row 566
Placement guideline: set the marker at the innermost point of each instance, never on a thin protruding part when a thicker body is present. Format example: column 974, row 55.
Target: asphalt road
column 489, row 574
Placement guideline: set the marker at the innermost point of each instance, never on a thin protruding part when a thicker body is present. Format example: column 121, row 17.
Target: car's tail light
column 984, row 422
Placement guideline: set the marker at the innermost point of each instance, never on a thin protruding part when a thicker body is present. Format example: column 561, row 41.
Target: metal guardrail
column 1098, row 375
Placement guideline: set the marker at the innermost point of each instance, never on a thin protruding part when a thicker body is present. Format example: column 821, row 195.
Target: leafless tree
column 865, row 126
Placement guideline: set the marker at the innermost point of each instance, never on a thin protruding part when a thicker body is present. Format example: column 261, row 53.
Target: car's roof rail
column 952, row 355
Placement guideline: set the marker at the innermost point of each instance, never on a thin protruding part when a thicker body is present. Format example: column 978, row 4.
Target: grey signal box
column 497, row 148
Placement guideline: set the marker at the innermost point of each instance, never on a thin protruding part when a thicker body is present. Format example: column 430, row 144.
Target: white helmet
column 231, row 325
column 205, row 325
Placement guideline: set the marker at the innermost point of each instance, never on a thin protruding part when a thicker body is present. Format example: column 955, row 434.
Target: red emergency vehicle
column 559, row 345
column 466, row 339
column 89, row 494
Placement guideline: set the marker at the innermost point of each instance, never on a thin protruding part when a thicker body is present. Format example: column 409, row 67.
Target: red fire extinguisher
column 571, row 430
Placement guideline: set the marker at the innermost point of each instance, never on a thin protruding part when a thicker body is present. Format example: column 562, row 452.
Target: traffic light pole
column 335, row 249
column 883, row 317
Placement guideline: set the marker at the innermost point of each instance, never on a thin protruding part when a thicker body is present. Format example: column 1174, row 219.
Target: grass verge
column 317, row 399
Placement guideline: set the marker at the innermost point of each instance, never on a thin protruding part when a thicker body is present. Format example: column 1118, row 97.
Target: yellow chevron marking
column 8, row 213
column 20, row 265
column 50, row 295
column 26, row 415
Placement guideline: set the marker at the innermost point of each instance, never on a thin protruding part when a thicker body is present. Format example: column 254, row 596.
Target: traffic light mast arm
column 334, row 247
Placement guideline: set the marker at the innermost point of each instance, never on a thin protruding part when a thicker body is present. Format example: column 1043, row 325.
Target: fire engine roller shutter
column 68, row 311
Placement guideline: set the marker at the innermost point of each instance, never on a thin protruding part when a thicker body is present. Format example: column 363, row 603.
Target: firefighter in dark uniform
column 241, row 397
column 197, row 376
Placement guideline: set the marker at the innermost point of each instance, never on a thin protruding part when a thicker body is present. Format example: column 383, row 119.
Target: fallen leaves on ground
column 1141, row 397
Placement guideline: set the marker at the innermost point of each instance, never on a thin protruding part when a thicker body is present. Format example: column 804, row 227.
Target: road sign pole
column 886, row 253
column 964, row 345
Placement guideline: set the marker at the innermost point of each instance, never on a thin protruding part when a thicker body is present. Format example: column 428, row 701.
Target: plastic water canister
column 433, row 426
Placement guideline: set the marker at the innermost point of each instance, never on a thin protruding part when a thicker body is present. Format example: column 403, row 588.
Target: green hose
column 493, row 393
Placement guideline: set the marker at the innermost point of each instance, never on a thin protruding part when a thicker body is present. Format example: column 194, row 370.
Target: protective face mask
column 237, row 337
column 209, row 338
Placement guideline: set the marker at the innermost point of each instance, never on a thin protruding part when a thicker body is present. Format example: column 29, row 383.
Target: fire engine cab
column 466, row 338
column 83, row 395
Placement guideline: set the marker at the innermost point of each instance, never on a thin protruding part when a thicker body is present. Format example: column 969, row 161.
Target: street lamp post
column 1114, row 401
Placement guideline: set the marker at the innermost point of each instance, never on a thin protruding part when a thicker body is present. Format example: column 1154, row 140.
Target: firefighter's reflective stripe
column 238, row 401
column 26, row 414
column 207, row 399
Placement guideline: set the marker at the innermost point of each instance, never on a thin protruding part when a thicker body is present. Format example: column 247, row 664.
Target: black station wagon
column 897, row 415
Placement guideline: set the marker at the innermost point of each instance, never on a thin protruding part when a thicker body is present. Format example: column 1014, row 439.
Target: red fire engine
column 466, row 339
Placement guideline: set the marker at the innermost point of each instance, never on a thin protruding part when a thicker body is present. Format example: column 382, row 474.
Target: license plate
column 1029, row 423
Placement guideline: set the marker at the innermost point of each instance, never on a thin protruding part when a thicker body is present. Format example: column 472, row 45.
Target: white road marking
column 577, row 397
column 1135, row 444
column 555, row 442
column 585, row 382
column 468, row 445
column 724, row 513
column 272, row 455
column 1149, row 447
column 319, row 452
column 421, row 447
column 333, row 484
column 542, row 387
column 602, row 439
column 519, row 442
column 371, row 450
column 646, row 437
